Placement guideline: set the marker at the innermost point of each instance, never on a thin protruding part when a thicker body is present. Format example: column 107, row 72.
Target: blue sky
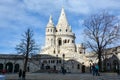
column 18, row 15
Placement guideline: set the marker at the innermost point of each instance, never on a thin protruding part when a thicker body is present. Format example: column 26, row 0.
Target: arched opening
column 83, row 68
column 52, row 42
column 66, row 30
column 28, row 68
column 60, row 30
column 54, row 67
column 16, row 68
column 1, row 67
column 47, row 67
column 9, row 67
column 78, row 66
column 42, row 66
column 65, row 41
column 72, row 41
column 115, row 65
column 68, row 40
column 59, row 42
column 108, row 66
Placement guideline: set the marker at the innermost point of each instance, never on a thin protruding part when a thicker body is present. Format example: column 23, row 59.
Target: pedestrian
column 20, row 74
column 97, row 70
column 23, row 75
column 93, row 69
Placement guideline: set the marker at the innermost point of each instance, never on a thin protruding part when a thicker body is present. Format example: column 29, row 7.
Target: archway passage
column 9, row 67
column 1, row 67
column 47, row 67
column 16, row 68
column 83, row 68
column 115, row 65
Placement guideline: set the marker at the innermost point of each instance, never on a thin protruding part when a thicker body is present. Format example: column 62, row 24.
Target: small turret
column 50, row 23
column 50, row 33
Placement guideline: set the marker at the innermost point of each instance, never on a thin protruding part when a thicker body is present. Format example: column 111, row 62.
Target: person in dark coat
column 20, row 74
column 93, row 69
column 23, row 75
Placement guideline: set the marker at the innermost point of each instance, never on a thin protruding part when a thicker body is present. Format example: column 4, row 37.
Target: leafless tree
column 101, row 30
column 27, row 47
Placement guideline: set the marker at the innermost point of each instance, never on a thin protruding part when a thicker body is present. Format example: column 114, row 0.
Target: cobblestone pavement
column 51, row 76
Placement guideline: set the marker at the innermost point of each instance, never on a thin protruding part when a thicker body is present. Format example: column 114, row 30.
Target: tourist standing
column 93, row 69
column 20, row 74
column 23, row 75
column 97, row 70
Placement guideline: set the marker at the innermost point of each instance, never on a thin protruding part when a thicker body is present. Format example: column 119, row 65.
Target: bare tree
column 101, row 31
column 27, row 46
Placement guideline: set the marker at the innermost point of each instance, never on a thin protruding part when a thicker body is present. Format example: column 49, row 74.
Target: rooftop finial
column 50, row 23
column 50, row 19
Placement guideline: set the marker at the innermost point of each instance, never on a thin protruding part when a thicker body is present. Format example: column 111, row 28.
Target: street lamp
column 63, row 59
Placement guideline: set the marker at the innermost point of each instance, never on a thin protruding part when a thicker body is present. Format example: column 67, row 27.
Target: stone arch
column 16, row 69
column 9, row 67
column 1, row 67
column 115, row 65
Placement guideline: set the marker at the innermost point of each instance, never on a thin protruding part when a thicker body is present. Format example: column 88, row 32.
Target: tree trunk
column 99, row 61
column 26, row 60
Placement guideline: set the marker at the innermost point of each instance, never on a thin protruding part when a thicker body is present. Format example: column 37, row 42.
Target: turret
column 64, row 36
column 50, row 33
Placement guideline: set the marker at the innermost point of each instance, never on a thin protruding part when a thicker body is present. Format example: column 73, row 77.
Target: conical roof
column 50, row 23
column 62, row 22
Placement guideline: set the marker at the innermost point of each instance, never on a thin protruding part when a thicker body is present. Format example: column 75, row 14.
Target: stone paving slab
column 50, row 76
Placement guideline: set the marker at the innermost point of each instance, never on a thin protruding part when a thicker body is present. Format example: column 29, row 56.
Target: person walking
column 93, row 69
column 20, row 74
column 97, row 70
column 23, row 75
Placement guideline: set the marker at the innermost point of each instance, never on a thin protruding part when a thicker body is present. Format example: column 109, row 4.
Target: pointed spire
column 50, row 23
column 62, row 19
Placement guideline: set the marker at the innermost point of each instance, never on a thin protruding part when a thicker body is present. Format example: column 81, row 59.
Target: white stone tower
column 64, row 36
column 50, row 33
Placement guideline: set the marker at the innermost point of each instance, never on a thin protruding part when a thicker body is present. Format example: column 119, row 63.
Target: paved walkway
column 51, row 76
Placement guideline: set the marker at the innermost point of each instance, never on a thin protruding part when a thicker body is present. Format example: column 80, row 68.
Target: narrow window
column 68, row 41
column 60, row 30
column 78, row 66
column 66, row 30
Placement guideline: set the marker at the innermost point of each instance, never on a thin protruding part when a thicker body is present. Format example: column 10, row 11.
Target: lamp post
column 63, row 59
column 56, row 60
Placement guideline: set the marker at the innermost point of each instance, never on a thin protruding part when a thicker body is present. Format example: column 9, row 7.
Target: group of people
column 95, row 70
column 21, row 75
